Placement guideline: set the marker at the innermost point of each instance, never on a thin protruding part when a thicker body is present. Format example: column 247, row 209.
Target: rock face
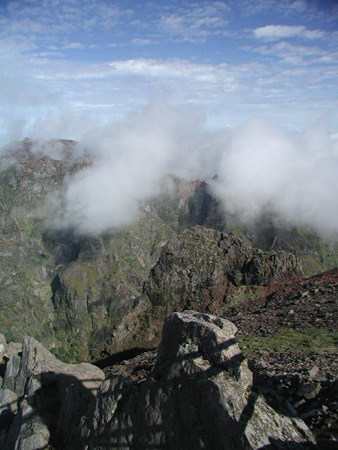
column 197, row 268
column 52, row 398
column 202, row 269
column 198, row 396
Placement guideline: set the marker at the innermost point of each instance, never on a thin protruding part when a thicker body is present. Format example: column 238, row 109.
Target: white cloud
column 296, row 54
column 195, row 22
column 74, row 46
column 132, row 158
column 276, row 32
column 205, row 73
column 259, row 165
column 299, row 6
column 264, row 166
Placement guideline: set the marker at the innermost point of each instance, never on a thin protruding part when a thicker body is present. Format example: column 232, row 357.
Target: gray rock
column 8, row 402
column 54, row 395
column 28, row 431
column 36, row 361
column 3, row 346
column 13, row 348
column 12, row 356
column 198, row 397
column 12, row 370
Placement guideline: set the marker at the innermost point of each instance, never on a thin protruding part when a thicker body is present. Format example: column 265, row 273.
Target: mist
column 258, row 166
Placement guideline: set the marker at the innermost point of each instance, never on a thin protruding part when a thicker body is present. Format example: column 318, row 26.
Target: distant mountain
column 77, row 293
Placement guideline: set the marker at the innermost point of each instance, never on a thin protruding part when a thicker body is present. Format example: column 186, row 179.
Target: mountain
column 104, row 298
column 71, row 291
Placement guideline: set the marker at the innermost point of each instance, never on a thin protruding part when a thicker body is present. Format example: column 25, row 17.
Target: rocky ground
column 298, row 303
column 290, row 336
column 198, row 395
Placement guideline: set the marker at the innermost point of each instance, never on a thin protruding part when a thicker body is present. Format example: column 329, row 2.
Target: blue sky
column 232, row 60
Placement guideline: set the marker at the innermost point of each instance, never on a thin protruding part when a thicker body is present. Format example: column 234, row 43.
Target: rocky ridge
column 70, row 407
column 202, row 269
column 72, row 291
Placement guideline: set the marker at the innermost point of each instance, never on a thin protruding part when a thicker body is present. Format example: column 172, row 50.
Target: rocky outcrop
column 47, row 396
column 198, row 396
column 199, row 267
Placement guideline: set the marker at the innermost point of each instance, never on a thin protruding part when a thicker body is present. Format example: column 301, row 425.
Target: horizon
column 228, row 61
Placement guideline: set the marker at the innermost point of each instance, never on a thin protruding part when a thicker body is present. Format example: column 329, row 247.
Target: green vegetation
column 313, row 339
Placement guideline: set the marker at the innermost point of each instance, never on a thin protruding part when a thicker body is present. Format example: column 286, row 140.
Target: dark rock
column 53, row 396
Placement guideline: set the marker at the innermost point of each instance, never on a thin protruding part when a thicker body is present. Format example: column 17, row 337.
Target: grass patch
column 312, row 340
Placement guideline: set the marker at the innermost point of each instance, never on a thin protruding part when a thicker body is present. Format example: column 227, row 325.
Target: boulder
column 198, row 396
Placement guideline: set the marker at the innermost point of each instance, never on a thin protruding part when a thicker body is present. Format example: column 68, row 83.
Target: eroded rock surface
column 198, row 396
column 52, row 397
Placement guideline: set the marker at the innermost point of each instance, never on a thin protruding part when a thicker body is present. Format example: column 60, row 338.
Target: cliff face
column 198, row 267
column 199, row 395
column 203, row 269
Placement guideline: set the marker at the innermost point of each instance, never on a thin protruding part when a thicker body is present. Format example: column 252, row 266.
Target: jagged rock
column 198, row 396
column 54, row 396
column 28, row 431
column 13, row 348
column 199, row 268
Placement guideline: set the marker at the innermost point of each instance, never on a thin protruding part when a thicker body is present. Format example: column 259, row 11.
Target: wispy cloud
column 110, row 56
column 300, row 55
column 195, row 21
column 276, row 32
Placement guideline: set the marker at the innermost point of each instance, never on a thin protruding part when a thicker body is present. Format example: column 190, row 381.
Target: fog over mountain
column 258, row 166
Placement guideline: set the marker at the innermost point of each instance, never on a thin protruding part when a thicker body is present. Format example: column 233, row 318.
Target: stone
column 13, row 348
column 8, row 402
column 199, row 395
column 53, row 396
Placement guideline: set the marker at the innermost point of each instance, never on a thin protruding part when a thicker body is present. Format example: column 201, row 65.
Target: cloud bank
column 258, row 166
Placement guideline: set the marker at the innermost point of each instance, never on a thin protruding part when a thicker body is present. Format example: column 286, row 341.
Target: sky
column 65, row 60
column 245, row 90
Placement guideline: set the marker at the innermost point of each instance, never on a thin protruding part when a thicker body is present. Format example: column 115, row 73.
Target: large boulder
column 198, row 396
